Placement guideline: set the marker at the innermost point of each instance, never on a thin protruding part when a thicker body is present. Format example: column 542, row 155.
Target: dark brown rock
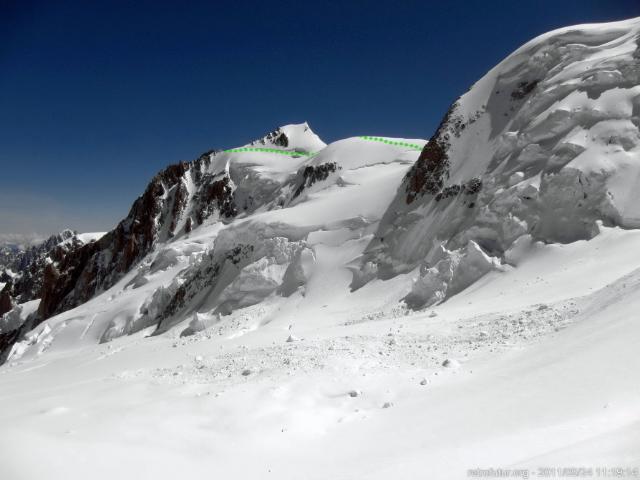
column 215, row 194
column 277, row 137
column 312, row 174
column 6, row 302
column 431, row 171
column 428, row 174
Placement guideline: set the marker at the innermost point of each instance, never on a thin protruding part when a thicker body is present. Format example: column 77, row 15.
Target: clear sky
column 96, row 96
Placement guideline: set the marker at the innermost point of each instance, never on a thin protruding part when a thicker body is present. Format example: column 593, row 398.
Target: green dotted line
column 294, row 153
column 270, row 150
column 392, row 142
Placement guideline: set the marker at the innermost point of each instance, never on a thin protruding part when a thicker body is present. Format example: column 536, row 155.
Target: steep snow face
column 547, row 144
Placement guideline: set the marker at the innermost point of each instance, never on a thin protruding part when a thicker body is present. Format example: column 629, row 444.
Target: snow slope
column 362, row 309
column 240, row 402
column 293, row 255
column 546, row 144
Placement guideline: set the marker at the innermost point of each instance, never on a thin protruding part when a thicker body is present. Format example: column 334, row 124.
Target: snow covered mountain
column 13, row 245
column 542, row 148
column 179, row 198
column 13, row 249
column 229, row 230
column 22, row 277
column 476, row 283
column 22, row 266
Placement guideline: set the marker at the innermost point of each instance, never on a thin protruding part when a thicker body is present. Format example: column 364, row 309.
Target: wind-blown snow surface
column 239, row 349
column 547, row 377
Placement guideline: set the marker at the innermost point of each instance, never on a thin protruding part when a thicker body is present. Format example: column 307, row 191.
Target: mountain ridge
column 517, row 156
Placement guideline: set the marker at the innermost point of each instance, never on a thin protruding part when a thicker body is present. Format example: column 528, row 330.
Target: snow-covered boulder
column 198, row 323
column 454, row 272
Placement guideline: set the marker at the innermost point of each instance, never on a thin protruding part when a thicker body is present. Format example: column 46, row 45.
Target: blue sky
column 95, row 97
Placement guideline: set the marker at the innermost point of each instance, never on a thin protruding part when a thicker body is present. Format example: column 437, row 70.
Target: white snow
column 526, row 393
column 90, row 236
column 552, row 133
column 276, row 366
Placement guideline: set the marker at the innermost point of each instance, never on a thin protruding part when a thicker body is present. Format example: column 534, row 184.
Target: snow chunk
column 454, row 272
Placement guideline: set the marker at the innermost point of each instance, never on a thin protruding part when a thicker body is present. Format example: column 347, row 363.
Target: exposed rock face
column 218, row 195
column 292, row 137
column 59, row 281
column 6, row 302
column 166, row 208
column 7, row 339
column 431, row 170
column 64, row 272
column 430, row 173
column 277, row 137
column 312, row 174
column 27, row 267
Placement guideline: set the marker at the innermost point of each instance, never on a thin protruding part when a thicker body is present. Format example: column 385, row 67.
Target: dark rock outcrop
column 159, row 210
column 6, row 302
column 431, row 169
column 27, row 267
column 215, row 195
column 277, row 137
column 65, row 275
column 312, row 174
column 523, row 89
